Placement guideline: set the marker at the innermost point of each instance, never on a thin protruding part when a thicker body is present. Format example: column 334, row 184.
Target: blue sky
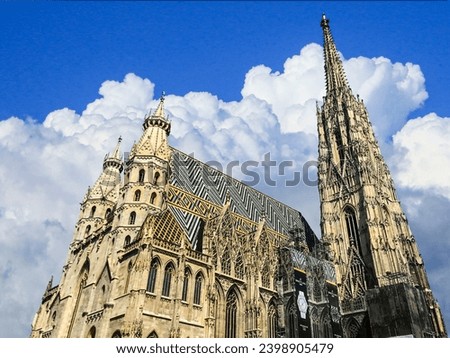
column 242, row 79
column 55, row 54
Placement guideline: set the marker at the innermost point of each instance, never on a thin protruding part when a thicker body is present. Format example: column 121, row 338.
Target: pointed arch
column 127, row 240
column 152, row 275
column 351, row 225
column 156, row 178
column 132, row 218
column 169, row 271
column 186, row 279
column 232, row 313
column 137, row 195
column 199, row 278
column 272, row 320
column 92, row 332
column 219, row 310
column 153, row 196
column 92, row 213
column 325, row 322
column 292, row 319
column 153, row 334
column 141, row 176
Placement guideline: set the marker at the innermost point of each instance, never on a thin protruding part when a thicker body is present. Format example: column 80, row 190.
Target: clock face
column 302, row 304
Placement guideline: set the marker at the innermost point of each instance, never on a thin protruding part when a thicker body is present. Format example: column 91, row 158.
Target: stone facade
column 175, row 248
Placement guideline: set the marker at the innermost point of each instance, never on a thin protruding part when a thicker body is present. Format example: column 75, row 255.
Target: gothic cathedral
column 166, row 246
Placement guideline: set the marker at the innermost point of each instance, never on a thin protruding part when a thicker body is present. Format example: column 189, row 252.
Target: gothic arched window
column 184, row 292
column 108, row 211
column 137, row 195
column 231, row 315
column 91, row 215
column 226, row 262
column 325, row 322
column 168, row 272
column 88, row 230
column 272, row 322
column 152, row 335
column 352, row 227
column 152, row 198
column 155, row 180
column 92, row 332
column 198, row 289
column 292, row 319
column 141, row 175
column 132, row 218
column 127, row 240
column 152, row 276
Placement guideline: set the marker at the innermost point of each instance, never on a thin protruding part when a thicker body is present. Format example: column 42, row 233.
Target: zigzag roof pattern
column 214, row 188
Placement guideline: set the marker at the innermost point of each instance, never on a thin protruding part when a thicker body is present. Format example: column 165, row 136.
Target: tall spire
column 362, row 222
column 334, row 71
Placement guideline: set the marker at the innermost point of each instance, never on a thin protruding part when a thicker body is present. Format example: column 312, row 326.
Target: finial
column 120, row 139
column 325, row 21
column 163, row 95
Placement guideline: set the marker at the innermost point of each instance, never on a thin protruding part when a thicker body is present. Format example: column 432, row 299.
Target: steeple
column 100, row 199
column 362, row 223
column 153, row 141
column 104, row 187
column 334, row 71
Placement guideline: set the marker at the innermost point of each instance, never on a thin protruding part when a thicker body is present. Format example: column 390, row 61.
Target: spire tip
column 325, row 21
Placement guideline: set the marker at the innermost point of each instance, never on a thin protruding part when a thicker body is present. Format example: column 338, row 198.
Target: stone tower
column 383, row 287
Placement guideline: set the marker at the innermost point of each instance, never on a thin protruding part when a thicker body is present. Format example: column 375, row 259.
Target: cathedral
column 167, row 246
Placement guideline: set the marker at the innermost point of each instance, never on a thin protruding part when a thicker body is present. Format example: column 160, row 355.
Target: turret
column 146, row 175
column 100, row 199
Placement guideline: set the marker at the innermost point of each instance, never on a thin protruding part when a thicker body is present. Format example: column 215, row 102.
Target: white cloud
column 45, row 168
column 390, row 90
column 423, row 154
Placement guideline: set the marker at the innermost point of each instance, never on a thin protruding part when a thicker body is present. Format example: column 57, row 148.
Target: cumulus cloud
column 390, row 90
column 423, row 154
column 46, row 168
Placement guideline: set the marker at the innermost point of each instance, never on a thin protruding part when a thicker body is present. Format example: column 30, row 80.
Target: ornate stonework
column 363, row 225
column 175, row 248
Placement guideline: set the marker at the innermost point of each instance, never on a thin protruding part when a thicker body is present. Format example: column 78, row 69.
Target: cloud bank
column 45, row 168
